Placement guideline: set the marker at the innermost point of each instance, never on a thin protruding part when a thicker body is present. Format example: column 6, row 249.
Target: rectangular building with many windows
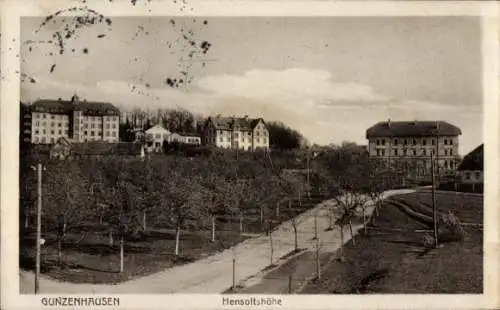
column 416, row 141
column 236, row 133
column 75, row 120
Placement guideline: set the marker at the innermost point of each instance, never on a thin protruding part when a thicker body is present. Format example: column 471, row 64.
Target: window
column 378, row 152
column 445, row 142
column 258, row 140
column 85, row 132
column 451, row 152
column 107, row 133
column 405, row 142
column 44, row 131
column 445, row 152
column 445, row 164
column 36, row 132
column 44, row 116
column 383, row 141
column 52, row 117
column 60, row 131
column 451, row 141
column 383, row 152
column 414, row 152
column 66, row 132
column 424, row 152
column 92, row 126
column 52, row 124
column 157, row 136
column 221, row 139
column 414, row 142
column 378, row 142
column 424, row 142
column 395, row 152
column 59, row 125
column 395, row 141
column 467, row 175
column 478, row 175
column 43, row 139
column 114, row 125
column 405, row 152
column 52, row 132
column 107, row 126
column 37, row 124
column 52, row 140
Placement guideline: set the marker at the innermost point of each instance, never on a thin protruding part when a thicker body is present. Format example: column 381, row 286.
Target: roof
column 106, row 148
column 412, row 129
column 156, row 129
column 60, row 106
column 228, row 123
column 474, row 160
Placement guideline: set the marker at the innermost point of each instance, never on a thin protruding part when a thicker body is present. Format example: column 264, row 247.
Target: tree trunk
column 352, row 235
column 177, row 239
column 111, row 241
column 277, row 209
column 271, row 248
column 261, row 217
column 213, row 228
column 144, row 220
column 59, row 250
column 121, row 254
column 295, row 241
column 341, row 250
column 241, row 222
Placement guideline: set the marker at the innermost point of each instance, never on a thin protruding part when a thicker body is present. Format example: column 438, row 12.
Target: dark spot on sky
column 205, row 22
column 148, row 85
column 101, row 36
column 52, row 68
column 85, row 50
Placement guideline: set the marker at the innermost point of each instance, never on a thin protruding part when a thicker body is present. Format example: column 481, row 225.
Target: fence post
column 318, row 267
column 234, row 274
column 289, row 284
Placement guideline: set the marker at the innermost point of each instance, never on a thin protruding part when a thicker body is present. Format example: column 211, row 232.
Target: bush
column 450, row 228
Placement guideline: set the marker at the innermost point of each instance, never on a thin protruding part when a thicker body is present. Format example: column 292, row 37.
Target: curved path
column 213, row 274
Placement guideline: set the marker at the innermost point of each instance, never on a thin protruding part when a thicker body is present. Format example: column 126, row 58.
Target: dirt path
column 212, row 274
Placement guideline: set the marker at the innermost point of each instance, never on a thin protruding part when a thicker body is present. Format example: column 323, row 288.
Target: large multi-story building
column 236, row 133
column 416, row 141
column 76, row 120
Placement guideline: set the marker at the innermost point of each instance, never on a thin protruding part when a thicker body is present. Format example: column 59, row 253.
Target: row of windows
column 468, row 175
column 62, row 116
column 413, row 141
column 52, row 132
column 107, row 126
column 98, row 133
column 52, row 124
column 395, row 152
column 257, row 140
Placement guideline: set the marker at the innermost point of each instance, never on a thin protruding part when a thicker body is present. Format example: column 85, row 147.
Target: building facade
column 74, row 120
column 157, row 134
column 416, row 142
column 236, row 133
column 470, row 169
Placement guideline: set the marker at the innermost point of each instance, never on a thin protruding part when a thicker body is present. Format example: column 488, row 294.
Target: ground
column 385, row 261
column 93, row 260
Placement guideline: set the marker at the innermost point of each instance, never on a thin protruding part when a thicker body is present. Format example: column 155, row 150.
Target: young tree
column 66, row 200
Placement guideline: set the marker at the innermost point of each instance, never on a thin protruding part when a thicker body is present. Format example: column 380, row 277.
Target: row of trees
column 120, row 195
column 281, row 136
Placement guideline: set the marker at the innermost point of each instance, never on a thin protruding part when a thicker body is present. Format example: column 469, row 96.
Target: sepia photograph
column 249, row 155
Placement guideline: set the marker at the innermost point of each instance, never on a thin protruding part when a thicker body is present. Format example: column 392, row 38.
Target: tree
column 284, row 137
column 66, row 200
column 182, row 196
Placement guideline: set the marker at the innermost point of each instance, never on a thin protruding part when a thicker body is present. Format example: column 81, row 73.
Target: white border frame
column 12, row 10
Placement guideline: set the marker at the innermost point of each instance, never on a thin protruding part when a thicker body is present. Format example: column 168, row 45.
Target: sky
column 328, row 77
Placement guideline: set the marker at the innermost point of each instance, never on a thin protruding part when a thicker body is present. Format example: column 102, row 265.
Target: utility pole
column 434, row 210
column 38, row 226
column 308, row 172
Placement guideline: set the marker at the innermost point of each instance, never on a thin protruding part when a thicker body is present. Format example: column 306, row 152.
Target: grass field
column 391, row 258
column 93, row 260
